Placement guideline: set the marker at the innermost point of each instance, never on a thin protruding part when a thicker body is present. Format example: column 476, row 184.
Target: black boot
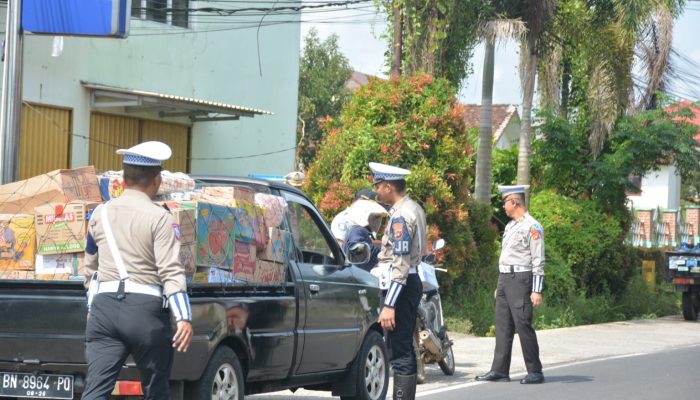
column 404, row 387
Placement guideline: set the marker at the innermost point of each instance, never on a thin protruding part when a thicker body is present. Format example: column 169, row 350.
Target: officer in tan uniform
column 519, row 289
column 404, row 243
column 133, row 272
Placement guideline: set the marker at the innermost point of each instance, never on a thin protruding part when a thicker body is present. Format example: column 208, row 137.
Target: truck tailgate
column 42, row 322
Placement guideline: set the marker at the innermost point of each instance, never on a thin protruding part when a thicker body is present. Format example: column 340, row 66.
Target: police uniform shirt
column 148, row 239
column 523, row 247
column 404, row 241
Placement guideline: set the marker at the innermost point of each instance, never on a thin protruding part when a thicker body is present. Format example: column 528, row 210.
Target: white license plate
column 40, row 386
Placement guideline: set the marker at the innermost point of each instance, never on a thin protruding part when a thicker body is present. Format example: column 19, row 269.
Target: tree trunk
column 397, row 51
column 484, row 150
column 528, row 81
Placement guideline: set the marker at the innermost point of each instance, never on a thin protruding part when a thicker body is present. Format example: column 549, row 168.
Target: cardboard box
column 59, row 186
column 227, row 195
column 17, row 275
column 188, row 255
column 215, row 237
column 212, row 275
column 184, row 214
column 62, row 228
column 269, row 273
column 259, row 229
column 59, row 266
column 244, row 227
column 278, row 243
column 17, row 242
column 244, row 261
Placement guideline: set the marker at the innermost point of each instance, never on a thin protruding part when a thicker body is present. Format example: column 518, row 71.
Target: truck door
column 331, row 328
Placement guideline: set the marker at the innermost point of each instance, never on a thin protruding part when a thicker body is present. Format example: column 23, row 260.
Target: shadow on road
column 567, row 379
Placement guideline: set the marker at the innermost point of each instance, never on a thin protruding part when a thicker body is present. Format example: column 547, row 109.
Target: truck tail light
column 127, row 388
column 683, row 281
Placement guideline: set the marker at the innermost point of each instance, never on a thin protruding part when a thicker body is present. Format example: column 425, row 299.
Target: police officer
column 519, row 288
column 404, row 244
column 133, row 271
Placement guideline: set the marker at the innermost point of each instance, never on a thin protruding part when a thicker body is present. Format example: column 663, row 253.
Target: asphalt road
column 577, row 347
column 670, row 374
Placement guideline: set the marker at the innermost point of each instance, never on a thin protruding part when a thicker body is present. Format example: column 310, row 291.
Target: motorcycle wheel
column 420, row 365
column 447, row 364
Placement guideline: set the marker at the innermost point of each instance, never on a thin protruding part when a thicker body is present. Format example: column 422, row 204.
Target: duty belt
column 509, row 269
column 130, row 287
column 413, row 270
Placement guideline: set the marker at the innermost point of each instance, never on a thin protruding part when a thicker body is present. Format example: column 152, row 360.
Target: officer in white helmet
column 403, row 245
column 134, row 274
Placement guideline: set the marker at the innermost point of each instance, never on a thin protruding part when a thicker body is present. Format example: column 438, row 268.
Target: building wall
column 510, row 136
column 660, row 188
column 216, row 61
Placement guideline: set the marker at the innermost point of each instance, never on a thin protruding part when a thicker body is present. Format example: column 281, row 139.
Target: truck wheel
column 691, row 305
column 221, row 380
column 372, row 368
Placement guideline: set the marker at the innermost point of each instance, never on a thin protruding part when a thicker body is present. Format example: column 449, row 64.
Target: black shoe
column 493, row 376
column 535, row 377
column 404, row 387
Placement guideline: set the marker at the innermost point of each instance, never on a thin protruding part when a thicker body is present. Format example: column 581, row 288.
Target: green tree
column 323, row 71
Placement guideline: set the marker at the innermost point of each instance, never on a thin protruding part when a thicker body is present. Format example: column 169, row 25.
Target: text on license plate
column 40, row 386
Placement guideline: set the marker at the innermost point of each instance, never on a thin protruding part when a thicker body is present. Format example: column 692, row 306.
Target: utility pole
column 11, row 105
column 397, row 51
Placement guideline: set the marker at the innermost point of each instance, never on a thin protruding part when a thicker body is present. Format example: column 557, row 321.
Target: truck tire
column 372, row 369
column 691, row 304
column 221, row 380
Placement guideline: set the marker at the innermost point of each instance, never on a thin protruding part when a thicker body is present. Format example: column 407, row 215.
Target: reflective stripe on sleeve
column 393, row 294
column 537, row 283
column 180, row 306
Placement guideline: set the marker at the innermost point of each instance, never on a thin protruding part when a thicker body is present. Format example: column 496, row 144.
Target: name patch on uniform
column 176, row 230
column 536, row 232
column 400, row 236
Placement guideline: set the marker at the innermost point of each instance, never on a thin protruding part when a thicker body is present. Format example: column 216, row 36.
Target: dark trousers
column 400, row 340
column 514, row 313
column 136, row 325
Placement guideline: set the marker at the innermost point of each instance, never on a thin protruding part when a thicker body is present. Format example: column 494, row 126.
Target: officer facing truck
column 519, row 289
column 403, row 246
column 134, row 274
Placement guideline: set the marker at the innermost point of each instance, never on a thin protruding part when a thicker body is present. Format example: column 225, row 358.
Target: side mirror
column 439, row 244
column 359, row 253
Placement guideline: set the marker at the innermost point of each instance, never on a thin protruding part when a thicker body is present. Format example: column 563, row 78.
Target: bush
column 589, row 241
column 413, row 122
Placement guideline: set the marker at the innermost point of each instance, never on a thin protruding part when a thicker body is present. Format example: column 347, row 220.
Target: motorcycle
column 431, row 341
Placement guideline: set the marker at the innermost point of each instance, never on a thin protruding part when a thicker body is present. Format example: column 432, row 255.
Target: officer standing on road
column 133, row 271
column 519, row 288
column 404, row 244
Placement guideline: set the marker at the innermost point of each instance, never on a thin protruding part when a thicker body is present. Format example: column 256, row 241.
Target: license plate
column 40, row 386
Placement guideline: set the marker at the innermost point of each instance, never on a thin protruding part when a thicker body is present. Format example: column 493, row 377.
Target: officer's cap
column 512, row 189
column 383, row 172
column 146, row 154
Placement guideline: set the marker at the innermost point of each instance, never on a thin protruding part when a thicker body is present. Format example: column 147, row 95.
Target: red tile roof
column 501, row 116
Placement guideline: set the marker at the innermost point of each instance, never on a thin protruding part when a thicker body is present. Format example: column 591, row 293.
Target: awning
column 164, row 105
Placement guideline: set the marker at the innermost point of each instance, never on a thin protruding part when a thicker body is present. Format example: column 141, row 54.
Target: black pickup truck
column 317, row 331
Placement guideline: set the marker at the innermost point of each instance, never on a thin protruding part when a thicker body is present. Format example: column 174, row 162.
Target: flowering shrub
column 415, row 123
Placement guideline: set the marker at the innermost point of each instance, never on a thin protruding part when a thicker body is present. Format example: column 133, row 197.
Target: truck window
column 308, row 237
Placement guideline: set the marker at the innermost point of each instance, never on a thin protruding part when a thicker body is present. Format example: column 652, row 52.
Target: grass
column 476, row 316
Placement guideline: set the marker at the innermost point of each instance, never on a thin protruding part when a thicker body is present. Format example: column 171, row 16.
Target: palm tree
column 492, row 32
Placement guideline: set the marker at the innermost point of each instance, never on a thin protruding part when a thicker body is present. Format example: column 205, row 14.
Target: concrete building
column 220, row 89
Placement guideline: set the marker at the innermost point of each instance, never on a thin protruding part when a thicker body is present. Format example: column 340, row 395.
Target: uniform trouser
column 136, row 325
column 514, row 312
column 400, row 340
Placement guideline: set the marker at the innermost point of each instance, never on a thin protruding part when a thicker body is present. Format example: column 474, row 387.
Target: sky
column 359, row 31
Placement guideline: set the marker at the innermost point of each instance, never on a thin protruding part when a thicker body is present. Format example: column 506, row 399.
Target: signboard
column 77, row 17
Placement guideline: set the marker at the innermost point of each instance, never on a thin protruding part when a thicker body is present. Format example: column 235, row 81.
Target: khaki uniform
column 404, row 249
column 521, row 267
column 148, row 239
column 404, row 242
